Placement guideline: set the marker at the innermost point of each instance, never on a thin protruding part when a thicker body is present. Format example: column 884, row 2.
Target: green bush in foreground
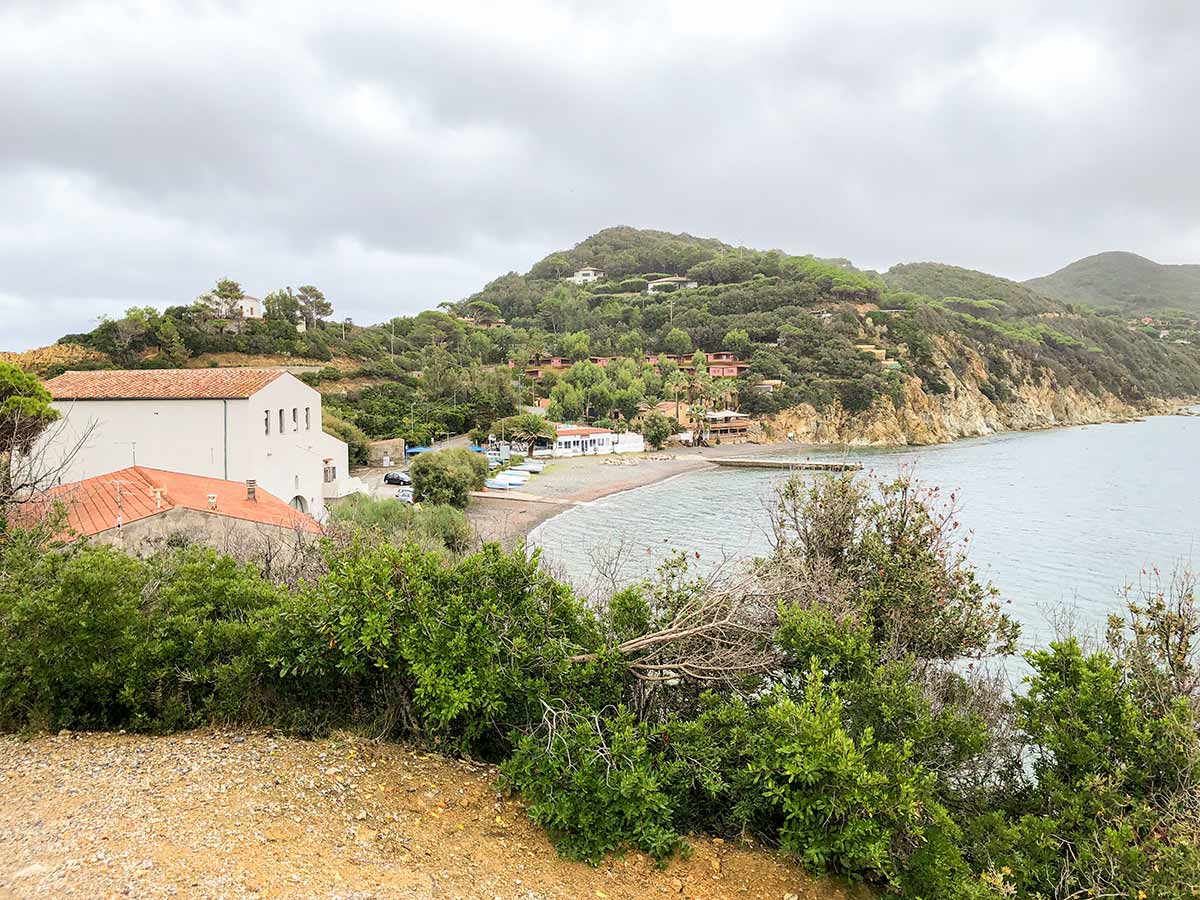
column 99, row 639
column 846, row 731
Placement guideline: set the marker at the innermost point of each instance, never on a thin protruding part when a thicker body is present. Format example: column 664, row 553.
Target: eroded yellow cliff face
column 1023, row 401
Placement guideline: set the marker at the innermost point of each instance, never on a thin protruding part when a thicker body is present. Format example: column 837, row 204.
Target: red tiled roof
column 127, row 495
column 579, row 430
column 161, row 384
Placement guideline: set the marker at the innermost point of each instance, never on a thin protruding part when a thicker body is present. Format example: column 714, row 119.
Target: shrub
column 597, row 785
column 657, row 429
column 94, row 638
column 455, row 654
column 447, row 476
column 437, row 527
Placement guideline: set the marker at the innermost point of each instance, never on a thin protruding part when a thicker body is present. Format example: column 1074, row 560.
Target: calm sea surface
column 1059, row 519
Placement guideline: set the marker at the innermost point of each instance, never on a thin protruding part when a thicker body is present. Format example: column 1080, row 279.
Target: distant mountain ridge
column 1126, row 281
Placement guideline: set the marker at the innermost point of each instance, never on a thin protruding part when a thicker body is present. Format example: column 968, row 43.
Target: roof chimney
column 212, row 501
column 251, row 489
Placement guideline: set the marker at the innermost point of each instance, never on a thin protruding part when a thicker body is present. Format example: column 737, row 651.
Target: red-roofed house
column 233, row 424
column 585, row 440
column 136, row 506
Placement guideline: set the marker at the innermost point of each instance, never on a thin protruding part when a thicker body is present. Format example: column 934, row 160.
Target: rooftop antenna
column 116, row 483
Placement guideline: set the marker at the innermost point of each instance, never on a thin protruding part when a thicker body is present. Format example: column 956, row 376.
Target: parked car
column 397, row 478
column 405, row 495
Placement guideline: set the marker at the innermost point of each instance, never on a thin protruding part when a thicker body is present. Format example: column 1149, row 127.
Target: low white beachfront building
column 231, row 424
column 583, row 440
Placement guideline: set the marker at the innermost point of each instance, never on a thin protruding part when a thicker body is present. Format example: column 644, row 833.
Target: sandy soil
column 244, row 814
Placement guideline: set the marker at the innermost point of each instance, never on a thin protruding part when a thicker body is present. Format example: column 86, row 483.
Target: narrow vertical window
column 307, row 419
column 266, row 421
column 295, row 419
column 281, row 421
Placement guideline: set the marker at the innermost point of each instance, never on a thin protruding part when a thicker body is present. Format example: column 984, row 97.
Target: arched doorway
column 299, row 503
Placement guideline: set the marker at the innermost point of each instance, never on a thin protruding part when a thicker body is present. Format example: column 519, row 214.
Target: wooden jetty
column 794, row 465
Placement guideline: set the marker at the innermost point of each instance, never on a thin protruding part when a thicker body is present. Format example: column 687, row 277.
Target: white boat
column 510, row 475
column 533, row 466
column 496, row 484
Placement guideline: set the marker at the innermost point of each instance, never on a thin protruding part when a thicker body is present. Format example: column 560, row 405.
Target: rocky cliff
column 970, row 408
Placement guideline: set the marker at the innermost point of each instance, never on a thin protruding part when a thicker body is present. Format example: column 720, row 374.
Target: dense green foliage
column 1021, row 335
column 430, row 526
column 657, row 429
column 1125, row 282
column 447, row 399
column 447, row 477
column 821, row 701
column 25, row 413
column 796, row 319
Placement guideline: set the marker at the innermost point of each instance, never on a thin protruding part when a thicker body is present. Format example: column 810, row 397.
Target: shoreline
column 580, row 480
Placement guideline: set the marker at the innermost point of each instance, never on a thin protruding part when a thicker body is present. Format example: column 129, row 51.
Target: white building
column 581, row 440
column 232, row 424
column 586, row 275
column 251, row 307
column 674, row 282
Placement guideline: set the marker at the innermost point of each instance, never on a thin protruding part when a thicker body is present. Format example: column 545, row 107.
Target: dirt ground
column 244, row 814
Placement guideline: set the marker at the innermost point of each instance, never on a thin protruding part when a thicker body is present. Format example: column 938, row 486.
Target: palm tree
column 698, row 413
column 526, row 428
column 676, row 382
column 724, row 390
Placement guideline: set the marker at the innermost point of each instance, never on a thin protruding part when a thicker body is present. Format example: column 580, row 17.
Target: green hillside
column 938, row 280
column 1125, row 282
column 803, row 330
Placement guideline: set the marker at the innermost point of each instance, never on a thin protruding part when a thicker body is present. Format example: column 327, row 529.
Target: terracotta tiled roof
column 578, row 430
column 98, row 504
column 161, row 384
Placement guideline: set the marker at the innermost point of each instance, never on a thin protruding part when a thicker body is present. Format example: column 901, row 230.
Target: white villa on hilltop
column 232, row 424
column 586, row 275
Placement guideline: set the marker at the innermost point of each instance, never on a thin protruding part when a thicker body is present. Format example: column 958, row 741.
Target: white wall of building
column 215, row 438
column 594, row 444
column 586, row 276
column 178, row 435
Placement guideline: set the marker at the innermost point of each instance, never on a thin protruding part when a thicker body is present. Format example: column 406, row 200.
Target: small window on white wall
column 307, row 419
column 266, row 421
column 281, row 421
column 295, row 419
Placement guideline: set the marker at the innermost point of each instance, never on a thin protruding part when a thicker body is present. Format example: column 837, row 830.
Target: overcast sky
column 400, row 154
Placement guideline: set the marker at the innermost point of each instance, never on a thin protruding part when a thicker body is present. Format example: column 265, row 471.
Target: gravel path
column 245, row 814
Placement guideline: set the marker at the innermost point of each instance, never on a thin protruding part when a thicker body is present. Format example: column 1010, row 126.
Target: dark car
column 397, row 478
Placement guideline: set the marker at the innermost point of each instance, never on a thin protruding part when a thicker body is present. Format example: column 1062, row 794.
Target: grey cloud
column 404, row 156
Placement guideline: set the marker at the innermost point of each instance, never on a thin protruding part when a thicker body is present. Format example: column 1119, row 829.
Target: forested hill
column 938, row 281
column 1126, row 282
column 924, row 352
